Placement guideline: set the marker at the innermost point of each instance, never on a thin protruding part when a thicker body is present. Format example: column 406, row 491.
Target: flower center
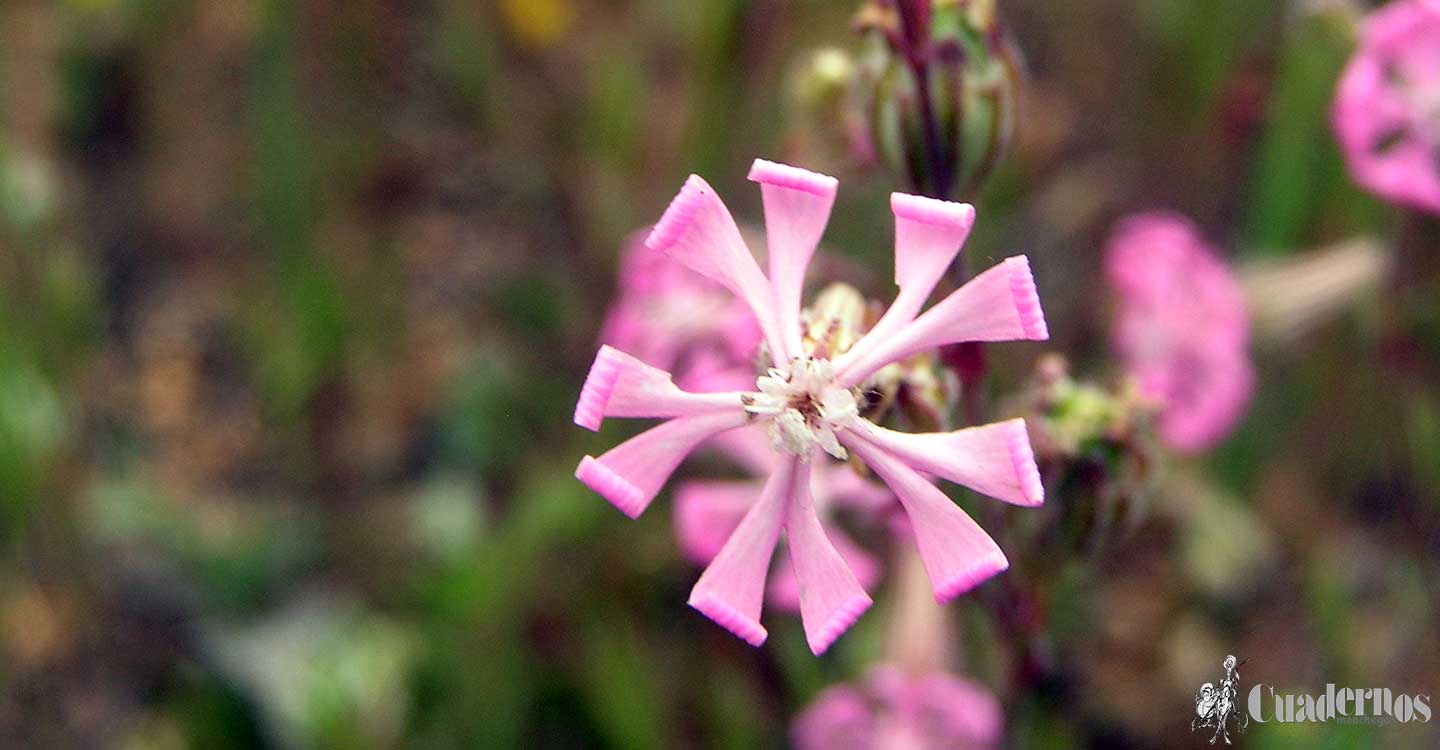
column 804, row 407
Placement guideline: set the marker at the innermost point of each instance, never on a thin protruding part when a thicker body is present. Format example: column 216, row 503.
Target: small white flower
column 804, row 407
column 788, row 432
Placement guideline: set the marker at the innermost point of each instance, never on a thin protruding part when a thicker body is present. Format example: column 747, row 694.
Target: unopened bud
column 27, row 191
column 1094, row 443
column 916, row 390
column 940, row 104
column 834, row 322
column 826, row 125
column 823, row 78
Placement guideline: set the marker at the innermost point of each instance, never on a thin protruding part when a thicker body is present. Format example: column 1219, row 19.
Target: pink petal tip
column 679, row 216
column 728, row 617
column 839, row 622
column 932, row 211
column 982, row 570
column 1027, row 299
column 1027, row 474
column 595, row 394
column 783, row 175
column 611, row 486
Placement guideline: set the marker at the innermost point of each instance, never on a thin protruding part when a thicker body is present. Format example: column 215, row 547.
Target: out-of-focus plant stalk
column 1292, row 296
column 920, row 631
column 1412, row 320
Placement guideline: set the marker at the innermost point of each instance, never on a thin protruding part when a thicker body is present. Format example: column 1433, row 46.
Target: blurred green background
column 295, row 300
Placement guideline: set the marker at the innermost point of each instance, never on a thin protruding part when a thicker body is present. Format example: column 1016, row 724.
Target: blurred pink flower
column 896, row 710
column 1387, row 107
column 1180, row 328
column 670, row 317
column 811, row 403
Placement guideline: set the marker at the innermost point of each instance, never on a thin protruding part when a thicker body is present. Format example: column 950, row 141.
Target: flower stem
column 914, row 42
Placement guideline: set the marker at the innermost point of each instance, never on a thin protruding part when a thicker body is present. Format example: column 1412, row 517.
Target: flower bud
column 826, row 126
column 938, row 86
column 27, row 191
column 835, row 321
column 1096, row 445
column 917, row 390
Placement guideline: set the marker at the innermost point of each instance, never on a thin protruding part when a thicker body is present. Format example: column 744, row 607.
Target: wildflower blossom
column 894, row 710
column 810, row 402
column 1180, row 328
column 1387, row 107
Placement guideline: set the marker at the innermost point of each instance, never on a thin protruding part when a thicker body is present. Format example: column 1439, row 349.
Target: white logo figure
column 1217, row 706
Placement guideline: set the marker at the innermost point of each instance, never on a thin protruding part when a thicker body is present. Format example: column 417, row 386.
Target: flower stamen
column 804, row 407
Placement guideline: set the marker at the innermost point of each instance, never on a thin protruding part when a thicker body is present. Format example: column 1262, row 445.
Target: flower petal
column 840, row 717
column 732, row 589
column 826, row 438
column 928, row 235
column 698, row 231
column 748, row 448
column 830, row 597
column 707, row 512
column 1000, row 304
column 797, row 208
column 969, row 713
column 620, row 385
column 1204, row 402
column 784, row 591
column 956, row 552
column 953, row 712
column 840, row 486
column 993, row 459
column 632, row 473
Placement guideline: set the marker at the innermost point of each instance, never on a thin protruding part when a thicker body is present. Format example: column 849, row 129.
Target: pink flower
column 1387, row 108
column 673, row 318
column 895, row 710
column 1180, row 328
column 810, row 403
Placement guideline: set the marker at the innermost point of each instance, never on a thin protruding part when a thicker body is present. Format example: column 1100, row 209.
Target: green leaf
column 1300, row 191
